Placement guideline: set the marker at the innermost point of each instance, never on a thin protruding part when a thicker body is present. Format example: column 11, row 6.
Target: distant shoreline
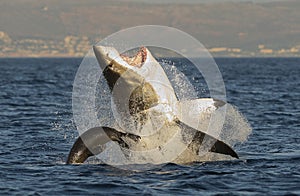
column 81, row 57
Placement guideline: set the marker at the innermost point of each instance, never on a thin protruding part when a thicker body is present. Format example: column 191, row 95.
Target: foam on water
column 236, row 128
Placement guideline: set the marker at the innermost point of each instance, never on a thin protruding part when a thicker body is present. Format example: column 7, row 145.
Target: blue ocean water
column 37, row 132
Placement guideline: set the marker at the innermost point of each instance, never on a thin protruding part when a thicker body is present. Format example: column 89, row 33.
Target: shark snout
column 104, row 55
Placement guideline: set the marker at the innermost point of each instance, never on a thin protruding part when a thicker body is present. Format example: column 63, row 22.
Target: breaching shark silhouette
column 146, row 105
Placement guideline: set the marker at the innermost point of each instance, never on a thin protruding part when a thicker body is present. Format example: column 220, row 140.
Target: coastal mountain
column 243, row 25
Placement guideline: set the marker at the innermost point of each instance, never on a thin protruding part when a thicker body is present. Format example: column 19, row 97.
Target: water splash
column 155, row 149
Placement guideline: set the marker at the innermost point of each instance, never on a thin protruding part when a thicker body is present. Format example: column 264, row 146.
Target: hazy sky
column 201, row 1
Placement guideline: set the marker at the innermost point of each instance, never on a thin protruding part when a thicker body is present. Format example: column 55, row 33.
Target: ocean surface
column 37, row 131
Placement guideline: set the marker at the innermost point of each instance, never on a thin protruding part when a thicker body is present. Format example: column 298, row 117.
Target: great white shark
column 142, row 94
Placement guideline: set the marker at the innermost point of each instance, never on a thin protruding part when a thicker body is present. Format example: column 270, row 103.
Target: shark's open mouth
column 138, row 59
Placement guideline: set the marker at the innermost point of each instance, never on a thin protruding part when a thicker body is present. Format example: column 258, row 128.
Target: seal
column 150, row 94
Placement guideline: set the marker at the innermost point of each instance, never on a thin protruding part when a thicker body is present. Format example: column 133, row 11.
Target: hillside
column 236, row 25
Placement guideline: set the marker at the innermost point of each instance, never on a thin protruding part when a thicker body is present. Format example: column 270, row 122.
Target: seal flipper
column 92, row 142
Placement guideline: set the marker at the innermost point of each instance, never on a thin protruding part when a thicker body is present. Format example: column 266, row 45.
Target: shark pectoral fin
column 92, row 142
column 200, row 139
column 79, row 152
column 118, row 136
column 132, row 136
column 222, row 148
